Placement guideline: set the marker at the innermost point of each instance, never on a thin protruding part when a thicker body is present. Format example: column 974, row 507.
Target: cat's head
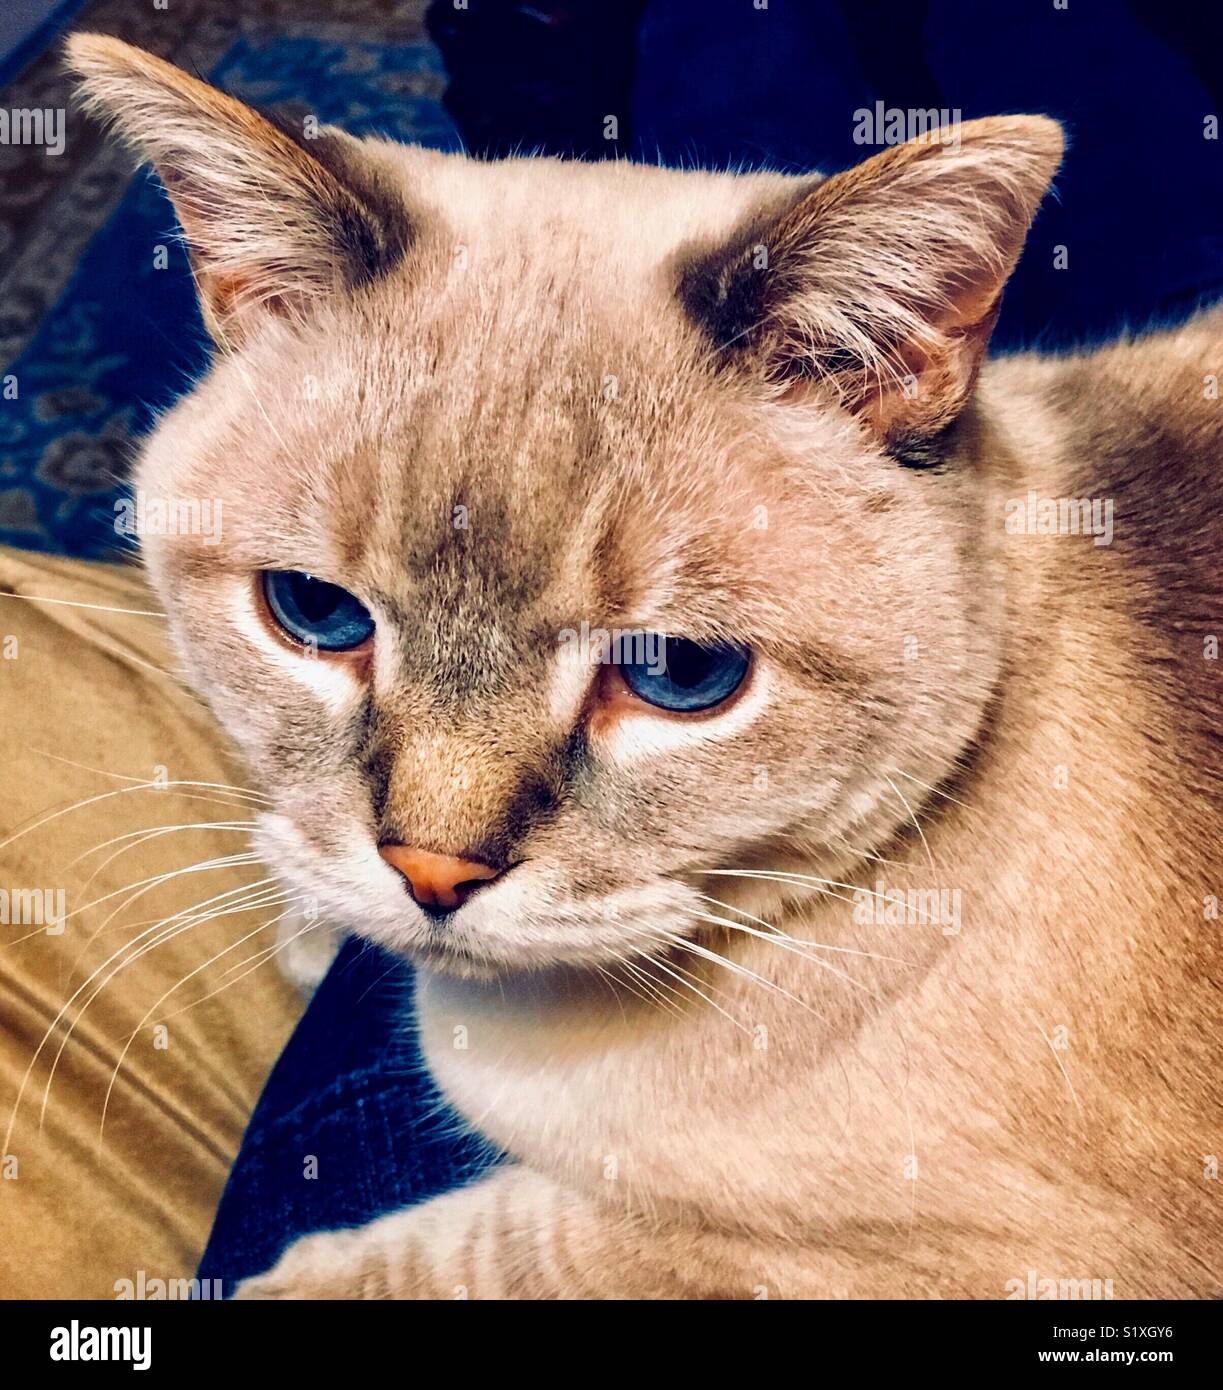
column 508, row 408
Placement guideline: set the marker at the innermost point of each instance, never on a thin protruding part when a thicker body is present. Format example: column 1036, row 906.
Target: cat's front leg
column 513, row 1234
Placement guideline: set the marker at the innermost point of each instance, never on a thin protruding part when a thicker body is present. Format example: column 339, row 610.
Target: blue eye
column 316, row 613
column 692, row 677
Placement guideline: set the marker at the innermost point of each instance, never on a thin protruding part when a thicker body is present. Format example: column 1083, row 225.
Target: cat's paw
column 316, row 1267
column 262, row 1286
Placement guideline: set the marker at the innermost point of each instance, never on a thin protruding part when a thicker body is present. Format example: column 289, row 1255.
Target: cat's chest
column 597, row 1098
column 699, row 1111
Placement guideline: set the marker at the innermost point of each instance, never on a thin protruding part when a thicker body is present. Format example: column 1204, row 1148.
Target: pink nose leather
column 438, row 881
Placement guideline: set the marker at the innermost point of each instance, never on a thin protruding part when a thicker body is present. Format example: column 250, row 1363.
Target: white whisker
column 271, row 922
column 8, row 1134
column 937, row 791
column 802, row 941
column 73, row 603
column 93, row 800
column 168, row 934
column 783, row 876
column 779, row 939
column 916, row 824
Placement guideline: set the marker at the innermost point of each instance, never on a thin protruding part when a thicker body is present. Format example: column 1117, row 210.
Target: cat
column 862, row 944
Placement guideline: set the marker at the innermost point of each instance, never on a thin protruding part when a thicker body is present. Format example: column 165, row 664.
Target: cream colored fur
column 716, row 1067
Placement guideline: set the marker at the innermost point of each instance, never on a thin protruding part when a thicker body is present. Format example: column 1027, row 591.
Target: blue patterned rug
column 121, row 338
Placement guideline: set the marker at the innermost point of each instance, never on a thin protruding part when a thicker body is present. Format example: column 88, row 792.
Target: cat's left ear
column 273, row 227
column 883, row 282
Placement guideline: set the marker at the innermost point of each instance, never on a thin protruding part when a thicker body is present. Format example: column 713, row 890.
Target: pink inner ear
column 930, row 382
column 232, row 302
column 939, row 377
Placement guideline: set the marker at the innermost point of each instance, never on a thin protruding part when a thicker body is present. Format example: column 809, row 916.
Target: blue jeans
column 349, row 1125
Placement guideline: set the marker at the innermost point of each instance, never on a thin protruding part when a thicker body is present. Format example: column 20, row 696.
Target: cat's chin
column 476, row 956
column 458, row 965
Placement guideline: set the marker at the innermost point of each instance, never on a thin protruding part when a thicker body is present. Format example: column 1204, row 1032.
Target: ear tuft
column 272, row 226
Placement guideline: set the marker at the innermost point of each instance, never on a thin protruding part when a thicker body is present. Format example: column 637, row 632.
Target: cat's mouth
column 489, row 938
column 525, row 918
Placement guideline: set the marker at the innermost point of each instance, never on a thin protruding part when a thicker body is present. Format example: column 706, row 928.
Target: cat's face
column 497, row 406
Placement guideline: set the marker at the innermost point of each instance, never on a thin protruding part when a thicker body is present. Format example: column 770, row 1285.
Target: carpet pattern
column 98, row 324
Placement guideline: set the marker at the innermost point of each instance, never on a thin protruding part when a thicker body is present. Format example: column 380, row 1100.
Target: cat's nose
column 438, row 882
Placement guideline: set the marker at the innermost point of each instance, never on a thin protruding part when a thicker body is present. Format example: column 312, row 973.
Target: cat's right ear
column 273, row 227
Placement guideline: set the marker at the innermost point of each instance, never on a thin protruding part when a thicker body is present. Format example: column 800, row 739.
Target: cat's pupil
column 317, row 599
column 687, row 664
